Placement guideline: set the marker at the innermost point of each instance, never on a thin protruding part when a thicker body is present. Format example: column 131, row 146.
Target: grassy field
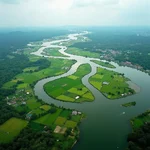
column 56, row 68
column 33, row 103
column 104, row 64
column 139, row 121
column 10, row 129
column 112, row 84
column 65, row 113
column 70, row 88
column 70, row 124
column 76, row 118
column 49, row 118
column 80, row 52
column 53, row 52
column 30, row 69
column 60, row 121
column 45, row 107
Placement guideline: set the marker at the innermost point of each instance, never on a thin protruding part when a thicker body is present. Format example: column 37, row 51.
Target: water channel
column 106, row 126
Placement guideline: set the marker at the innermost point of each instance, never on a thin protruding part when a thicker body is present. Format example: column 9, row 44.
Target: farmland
column 112, row 84
column 11, row 128
column 53, row 52
column 80, row 52
column 104, row 64
column 70, row 88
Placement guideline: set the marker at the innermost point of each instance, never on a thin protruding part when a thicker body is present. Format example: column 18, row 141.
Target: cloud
column 10, row 1
column 97, row 3
column 74, row 12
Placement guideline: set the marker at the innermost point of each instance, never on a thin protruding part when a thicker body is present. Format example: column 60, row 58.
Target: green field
column 65, row 113
column 56, row 68
column 33, row 103
column 80, row 52
column 70, row 88
column 104, row 64
column 76, row 118
column 30, row 69
column 49, row 118
column 11, row 128
column 45, row 107
column 112, row 84
column 53, row 52
column 70, row 124
column 60, row 121
column 139, row 121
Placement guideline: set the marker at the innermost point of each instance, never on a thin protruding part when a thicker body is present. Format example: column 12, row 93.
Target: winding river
column 106, row 126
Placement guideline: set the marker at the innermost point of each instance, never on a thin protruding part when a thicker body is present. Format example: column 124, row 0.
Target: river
column 105, row 127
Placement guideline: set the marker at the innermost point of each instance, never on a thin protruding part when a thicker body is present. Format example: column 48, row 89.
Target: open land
column 112, row 84
column 11, row 128
column 80, row 52
column 53, row 52
column 70, row 88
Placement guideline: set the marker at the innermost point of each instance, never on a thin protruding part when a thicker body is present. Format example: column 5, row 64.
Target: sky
column 20, row 13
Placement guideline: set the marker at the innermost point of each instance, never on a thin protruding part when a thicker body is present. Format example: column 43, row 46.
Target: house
column 24, row 103
column 105, row 83
column 79, row 113
column 28, row 116
column 74, row 112
column 122, row 94
column 77, row 97
column 28, row 93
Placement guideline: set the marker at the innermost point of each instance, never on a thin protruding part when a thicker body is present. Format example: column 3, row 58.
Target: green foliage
column 140, row 138
column 120, row 39
column 31, row 140
column 105, row 64
column 68, row 88
column 7, row 112
column 129, row 104
column 10, row 129
column 112, row 84
column 53, row 52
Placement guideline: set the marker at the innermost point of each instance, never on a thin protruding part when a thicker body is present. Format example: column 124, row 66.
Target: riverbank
column 101, row 107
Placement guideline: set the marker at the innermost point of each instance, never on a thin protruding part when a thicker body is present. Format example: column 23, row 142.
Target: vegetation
column 53, row 52
column 82, row 52
column 53, row 67
column 133, row 43
column 139, row 139
column 112, row 84
column 10, row 41
column 7, row 111
column 104, row 64
column 11, row 128
column 70, row 88
column 129, row 104
column 140, row 120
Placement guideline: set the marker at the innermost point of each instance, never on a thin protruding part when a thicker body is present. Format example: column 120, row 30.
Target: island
column 129, row 104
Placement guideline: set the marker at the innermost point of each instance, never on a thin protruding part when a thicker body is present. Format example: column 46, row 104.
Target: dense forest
column 28, row 139
column 11, row 67
column 12, row 40
column 140, row 139
column 13, row 64
column 7, row 111
column 133, row 43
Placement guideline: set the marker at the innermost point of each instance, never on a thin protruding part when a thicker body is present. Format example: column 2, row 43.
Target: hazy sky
column 74, row 12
